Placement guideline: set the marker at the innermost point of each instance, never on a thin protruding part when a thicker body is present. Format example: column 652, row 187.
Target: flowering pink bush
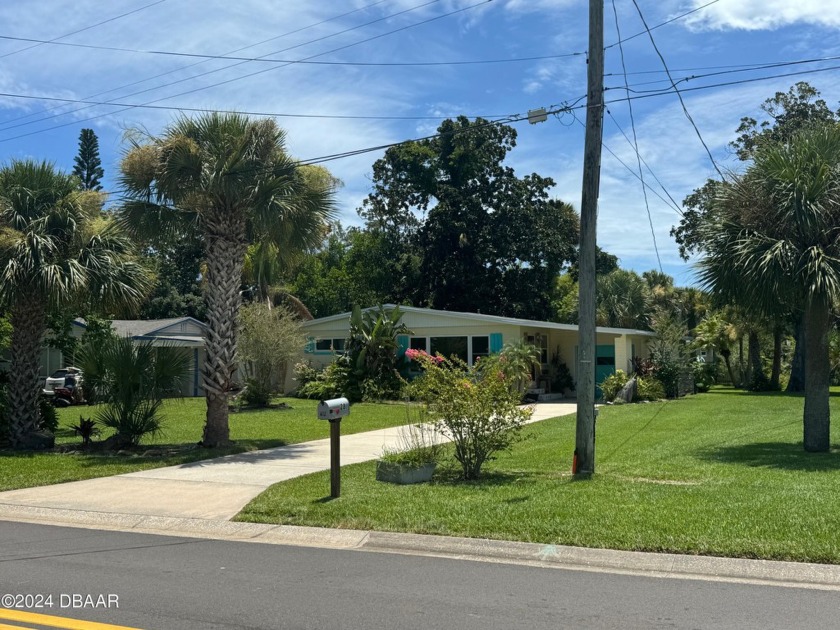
column 422, row 355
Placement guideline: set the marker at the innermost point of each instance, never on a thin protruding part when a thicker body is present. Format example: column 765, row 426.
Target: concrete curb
column 657, row 565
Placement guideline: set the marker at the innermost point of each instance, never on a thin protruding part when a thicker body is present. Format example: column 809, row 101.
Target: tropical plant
column 517, row 361
column 476, row 409
column 87, row 429
column 55, row 250
column 716, row 334
column 271, row 338
column 229, row 177
column 650, row 388
column 131, row 379
column 372, row 349
column 612, row 384
column 777, row 242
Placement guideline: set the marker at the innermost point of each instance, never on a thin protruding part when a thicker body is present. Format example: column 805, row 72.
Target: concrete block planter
column 403, row 473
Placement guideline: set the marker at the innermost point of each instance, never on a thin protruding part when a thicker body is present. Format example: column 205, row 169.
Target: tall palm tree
column 55, row 250
column 230, row 177
column 778, row 241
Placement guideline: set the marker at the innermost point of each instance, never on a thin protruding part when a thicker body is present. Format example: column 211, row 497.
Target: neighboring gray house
column 182, row 332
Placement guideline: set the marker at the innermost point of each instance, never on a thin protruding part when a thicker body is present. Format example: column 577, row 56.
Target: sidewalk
column 215, row 489
column 197, row 500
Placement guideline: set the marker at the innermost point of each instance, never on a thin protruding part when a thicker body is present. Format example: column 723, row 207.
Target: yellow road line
column 65, row 623
column 5, row 626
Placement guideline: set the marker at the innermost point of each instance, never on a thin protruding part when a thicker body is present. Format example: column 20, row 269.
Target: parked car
column 69, row 377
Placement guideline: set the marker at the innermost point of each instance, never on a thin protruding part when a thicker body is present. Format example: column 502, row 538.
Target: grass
column 721, row 473
column 177, row 444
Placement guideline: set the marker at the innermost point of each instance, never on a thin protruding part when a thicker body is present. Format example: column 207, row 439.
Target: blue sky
column 722, row 37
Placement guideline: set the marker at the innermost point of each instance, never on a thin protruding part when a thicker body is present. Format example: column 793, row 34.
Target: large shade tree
column 230, row 177
column 776, row 240
column 55, row 251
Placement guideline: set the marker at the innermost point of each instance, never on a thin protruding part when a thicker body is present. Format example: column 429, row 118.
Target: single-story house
column 473, row 335
column 182, row 332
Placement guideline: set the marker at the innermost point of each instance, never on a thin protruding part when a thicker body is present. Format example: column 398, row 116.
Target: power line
column 676, row 205
column 674, row 85
column 635, row 143
column 198, row 63
column 665, row 23
column 369, row 39
column 396, row 64
column 81, row 30
column 206, row 110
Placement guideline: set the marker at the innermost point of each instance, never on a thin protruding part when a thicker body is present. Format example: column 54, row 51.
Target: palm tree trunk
column 225, row 248
column 776, row 370
column 758, row 381
column 797, row 364
column 28, row 318
column 726, row 354
column 816, row 416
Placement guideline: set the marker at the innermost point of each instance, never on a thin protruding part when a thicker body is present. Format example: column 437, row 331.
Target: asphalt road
column 168, row 583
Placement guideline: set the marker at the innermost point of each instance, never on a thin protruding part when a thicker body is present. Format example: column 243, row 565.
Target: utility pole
column 584, row 461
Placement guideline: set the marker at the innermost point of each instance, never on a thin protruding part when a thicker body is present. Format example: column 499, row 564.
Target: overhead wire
column 635, row 142
column 198, row 63
column 208, row 57
column 674, row 86
column 363, row 41
column 82, row 30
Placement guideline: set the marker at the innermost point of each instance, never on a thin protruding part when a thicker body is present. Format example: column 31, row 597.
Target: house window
column 329, row 345
column 480, row 348
column 449, row 346
column 419, row 343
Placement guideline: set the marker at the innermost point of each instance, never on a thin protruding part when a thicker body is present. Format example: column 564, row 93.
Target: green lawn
column 184, row 420
column 721, row 473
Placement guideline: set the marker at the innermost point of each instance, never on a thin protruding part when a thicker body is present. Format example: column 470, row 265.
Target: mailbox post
column 333, row 411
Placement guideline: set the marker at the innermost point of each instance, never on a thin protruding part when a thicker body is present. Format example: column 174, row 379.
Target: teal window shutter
column 495, row 342
column 309, row 348
column 402, row 345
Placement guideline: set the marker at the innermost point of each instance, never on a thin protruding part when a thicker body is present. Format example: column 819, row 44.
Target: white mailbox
column 334, row 409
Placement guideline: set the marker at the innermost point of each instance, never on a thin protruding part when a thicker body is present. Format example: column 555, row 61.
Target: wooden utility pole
column 584, row 461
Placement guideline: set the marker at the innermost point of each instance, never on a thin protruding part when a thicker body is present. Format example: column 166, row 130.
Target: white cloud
column 765, row 14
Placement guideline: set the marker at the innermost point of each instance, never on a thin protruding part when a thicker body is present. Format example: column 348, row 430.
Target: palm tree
column 231, row 178
column 778, row 241
column 132, row 378
column 716, row 333
column 55, row 251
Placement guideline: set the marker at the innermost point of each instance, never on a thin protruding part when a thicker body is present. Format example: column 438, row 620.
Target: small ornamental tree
column 476, row 409
column 88, row 165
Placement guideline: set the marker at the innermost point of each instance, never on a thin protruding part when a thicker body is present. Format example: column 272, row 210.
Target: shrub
column 330, row 382
column 650, row 388
column 372, row 351
column 705, row 375
column 47, row 415
column 477, row 409
column 613, row 384
column 257, row 393
column 87, row 428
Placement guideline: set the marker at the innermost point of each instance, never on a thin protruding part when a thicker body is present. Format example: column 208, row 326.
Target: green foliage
column 475, row 408
column 331, row 382
column 705, row 375
column 270, row 339
column 650, row 388
column 88, row 165
column 516, row 361
column 372, row 351
column 176, row 267
column 87, row 429
column 48, row 418
column 670, row 353
column 486, row 240
column 131, row 379
column 256, row 393
column 611, row 385
column 622, row 298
